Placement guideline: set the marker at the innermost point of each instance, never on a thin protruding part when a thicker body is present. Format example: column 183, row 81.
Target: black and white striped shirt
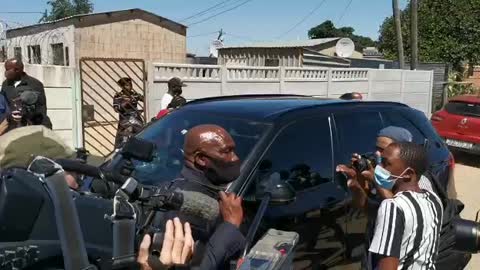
column 408, row 228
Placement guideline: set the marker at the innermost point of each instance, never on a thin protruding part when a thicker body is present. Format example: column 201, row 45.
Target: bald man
column 210, row 160
column 18, row 82
column 210, row 165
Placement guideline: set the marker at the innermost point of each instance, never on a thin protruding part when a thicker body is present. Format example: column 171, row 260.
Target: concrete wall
column 290, row 57
column 413, row 88
column 131, row 39
column 45, row 39
column 59, row 83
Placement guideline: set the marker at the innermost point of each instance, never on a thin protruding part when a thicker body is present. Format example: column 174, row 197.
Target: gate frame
column 107, row 59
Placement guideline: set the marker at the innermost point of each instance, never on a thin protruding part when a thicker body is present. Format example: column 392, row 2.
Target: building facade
column 133, row 33
column 314, row 52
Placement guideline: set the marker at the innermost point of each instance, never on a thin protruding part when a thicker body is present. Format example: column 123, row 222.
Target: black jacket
column 219, row 241
column 226, row 242
column 28, row 83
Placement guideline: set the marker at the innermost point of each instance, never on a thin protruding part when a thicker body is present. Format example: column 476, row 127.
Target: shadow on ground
column 467, row 159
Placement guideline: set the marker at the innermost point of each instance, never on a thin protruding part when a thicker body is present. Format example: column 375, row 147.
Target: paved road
column 467, row 184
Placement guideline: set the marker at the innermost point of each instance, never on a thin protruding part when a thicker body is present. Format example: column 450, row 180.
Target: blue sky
column 257, row 20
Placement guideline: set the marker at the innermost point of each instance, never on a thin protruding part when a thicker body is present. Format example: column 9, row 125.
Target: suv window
column 395, row 118
column 463, row 108
column 357, row 133
column 301, row 154
column 168, row 136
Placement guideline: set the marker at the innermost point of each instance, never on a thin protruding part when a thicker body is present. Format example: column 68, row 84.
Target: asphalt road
column 467, row 184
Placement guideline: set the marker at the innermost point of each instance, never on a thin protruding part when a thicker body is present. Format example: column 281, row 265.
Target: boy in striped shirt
column 407, row 228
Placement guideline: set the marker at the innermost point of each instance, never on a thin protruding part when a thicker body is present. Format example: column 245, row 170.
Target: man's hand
column 3, row 126
column 359, row 196
column 351, row 174
column 231, row 208
column 365, row 177
column 177, row 248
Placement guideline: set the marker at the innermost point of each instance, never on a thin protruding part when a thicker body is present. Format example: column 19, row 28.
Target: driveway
column 467, row 183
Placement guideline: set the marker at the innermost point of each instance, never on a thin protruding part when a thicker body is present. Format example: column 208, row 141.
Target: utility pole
column 414, row 34
column 398, row 31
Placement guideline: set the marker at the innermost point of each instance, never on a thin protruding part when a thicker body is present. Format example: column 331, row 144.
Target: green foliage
column 456, row 88
column 448, row 31
column 327, row 30
column 65, row 8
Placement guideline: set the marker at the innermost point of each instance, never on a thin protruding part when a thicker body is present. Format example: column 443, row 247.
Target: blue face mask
column 385, row 179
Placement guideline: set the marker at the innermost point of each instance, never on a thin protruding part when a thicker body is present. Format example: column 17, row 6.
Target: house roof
column 284, row 44
column 92, row 19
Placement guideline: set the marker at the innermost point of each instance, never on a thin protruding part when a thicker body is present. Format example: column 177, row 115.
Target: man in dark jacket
column 210, row 161
column 17, row 83
column 177, row 248
column 210, row 164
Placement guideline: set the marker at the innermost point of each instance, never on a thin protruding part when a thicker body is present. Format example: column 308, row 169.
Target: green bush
column 456, row 87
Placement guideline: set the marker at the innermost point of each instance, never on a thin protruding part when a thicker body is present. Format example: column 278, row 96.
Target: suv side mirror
column 138, row 149
column 280, row 194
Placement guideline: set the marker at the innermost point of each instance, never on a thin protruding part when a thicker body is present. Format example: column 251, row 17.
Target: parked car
column 303, row 138
column 459, row 123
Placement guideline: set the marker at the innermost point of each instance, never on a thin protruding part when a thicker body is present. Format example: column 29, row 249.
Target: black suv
column 303, row 139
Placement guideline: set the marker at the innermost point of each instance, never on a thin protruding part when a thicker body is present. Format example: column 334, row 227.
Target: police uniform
column 130, row 118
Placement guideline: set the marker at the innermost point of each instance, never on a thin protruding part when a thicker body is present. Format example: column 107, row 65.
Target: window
column 272, row 62
column 34, row 54
column 57, row 53
column 463, row 108
column 17, row 52
column 395, row 118
column 168, row 136
column 301, row 154
column 67, row 57
column 357, row 132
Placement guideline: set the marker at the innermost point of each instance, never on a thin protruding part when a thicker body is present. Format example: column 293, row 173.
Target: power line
column 207, row 10
column 204, row 34
column 240, row 37
column 220, row 13
column 21, row 12
column 303, row 19
column 344, row 12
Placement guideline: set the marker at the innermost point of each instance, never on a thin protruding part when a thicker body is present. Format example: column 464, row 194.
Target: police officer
column 125, row 103
column 17, row 83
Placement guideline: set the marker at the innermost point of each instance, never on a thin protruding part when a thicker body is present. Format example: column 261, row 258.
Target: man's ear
column 200, row 159
column 409, row 174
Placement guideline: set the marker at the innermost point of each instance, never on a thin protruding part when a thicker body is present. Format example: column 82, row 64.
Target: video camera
column 24, row 109
column 467, row 235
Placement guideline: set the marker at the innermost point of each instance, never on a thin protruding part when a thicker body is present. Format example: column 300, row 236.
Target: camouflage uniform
column 130, row 118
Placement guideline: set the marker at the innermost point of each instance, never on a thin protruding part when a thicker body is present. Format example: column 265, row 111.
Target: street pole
column 414, row 32
column 398, row 30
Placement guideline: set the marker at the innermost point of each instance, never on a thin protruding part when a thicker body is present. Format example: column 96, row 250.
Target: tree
column 448, row 32
column 66, row 8
column 327, row 30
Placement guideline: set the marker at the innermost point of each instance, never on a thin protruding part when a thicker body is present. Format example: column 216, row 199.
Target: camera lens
column 467, row 234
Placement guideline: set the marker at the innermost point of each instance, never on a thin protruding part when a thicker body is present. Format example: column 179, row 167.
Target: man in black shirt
column 18, row 84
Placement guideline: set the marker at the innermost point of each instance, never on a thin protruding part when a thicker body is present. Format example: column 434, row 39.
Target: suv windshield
column 463, row 108
column 168, row 136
